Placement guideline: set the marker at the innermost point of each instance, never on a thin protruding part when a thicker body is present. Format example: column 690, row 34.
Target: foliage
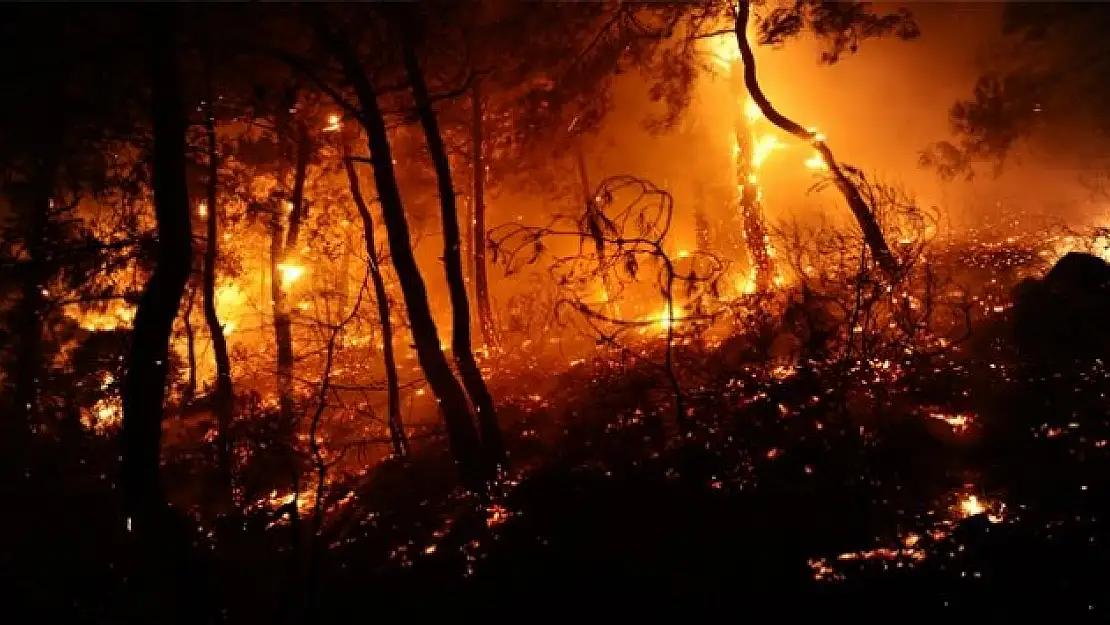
column 1045, row 90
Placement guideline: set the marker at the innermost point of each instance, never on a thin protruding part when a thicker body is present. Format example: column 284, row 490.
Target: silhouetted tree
column 462, row 433
column 223, row 394
column 852, row 21
column 163, row 537
column 1045, row 89
column 393, row 390
column 462, row 348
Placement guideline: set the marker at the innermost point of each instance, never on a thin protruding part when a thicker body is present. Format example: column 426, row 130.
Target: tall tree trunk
column 466, row 445
column 452, row 257
column 396, row 427
column 32, row 305
column 190, row 349
column 223, row 394
column 872, row 233
column 748, row 200
column 145, row 383
column 478, row 225
column 281, row 252
column 163, row 536
column 751, row 215
column 283, row 339
column 583, row 176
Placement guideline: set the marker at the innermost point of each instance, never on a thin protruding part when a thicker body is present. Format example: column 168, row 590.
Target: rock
column 1063, row 316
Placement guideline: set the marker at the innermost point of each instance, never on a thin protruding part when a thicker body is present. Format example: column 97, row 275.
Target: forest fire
column 340, row 296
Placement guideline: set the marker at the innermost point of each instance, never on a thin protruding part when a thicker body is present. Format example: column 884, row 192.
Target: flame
column 202, row 209
column 661, row 321
column 746, row 284
column 118, row 317
column 290, row 273
column 816, row 162
column 751, row 111
column 105, row 415
column 762, row 148
column 970, row 506
column 723, row 50
column 333, row 123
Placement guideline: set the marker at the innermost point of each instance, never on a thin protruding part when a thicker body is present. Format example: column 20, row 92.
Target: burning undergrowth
column 816, row 471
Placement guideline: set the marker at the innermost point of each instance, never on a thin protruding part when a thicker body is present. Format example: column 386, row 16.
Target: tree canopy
column 1045, row 93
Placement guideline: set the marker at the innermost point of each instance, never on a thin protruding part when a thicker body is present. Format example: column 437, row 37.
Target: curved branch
column 864, row 216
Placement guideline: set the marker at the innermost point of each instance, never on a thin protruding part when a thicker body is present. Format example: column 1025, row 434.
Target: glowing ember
column 202, row 209
column 497, row 514
column 959, row 422
column 333, row 123
column 970, row 506
column 105, row 415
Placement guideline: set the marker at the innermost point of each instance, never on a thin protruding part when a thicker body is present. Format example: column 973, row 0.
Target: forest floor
column 783, row 494
column 775, row 500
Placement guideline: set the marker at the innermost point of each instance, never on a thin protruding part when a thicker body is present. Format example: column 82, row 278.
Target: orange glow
column 763, row 148
column 290, row 273
column 751, row 111
column 970, row 506
column 815, row 162
column 118, row 317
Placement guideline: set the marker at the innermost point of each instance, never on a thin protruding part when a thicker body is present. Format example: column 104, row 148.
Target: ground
column 977, row 491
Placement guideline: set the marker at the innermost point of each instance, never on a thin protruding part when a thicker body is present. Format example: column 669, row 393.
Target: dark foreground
column 785, row 507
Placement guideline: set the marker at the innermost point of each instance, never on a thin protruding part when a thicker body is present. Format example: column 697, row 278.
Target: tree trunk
column 452, row 257
column 465, row 443
column 223, row 394
column 283, row 338
column 32, row 304
column 872, row 233
column 190, row 349
column 163, row 546
column 751, row 215
column 280, row 255
column 396, row 427
column 478, row 225
column 749, row 205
